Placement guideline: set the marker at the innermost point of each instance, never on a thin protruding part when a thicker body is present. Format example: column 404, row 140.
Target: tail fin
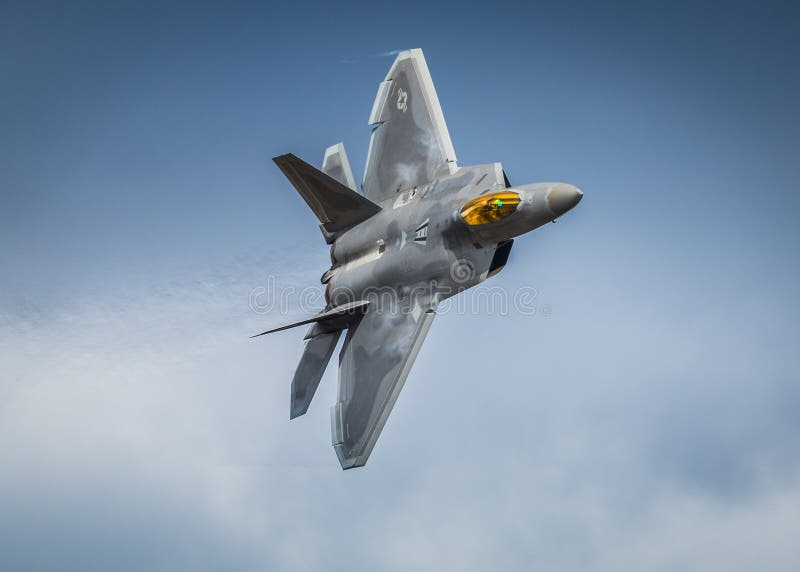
column 337, row 207
column 338, row 317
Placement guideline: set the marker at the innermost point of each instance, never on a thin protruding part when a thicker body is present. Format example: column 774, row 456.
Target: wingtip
column 350, row 463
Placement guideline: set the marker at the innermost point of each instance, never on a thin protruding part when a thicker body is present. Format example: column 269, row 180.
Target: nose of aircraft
column 563, row 197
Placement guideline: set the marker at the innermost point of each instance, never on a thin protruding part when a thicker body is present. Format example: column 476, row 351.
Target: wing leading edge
column 373, row 365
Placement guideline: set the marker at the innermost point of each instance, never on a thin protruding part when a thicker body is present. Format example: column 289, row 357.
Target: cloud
column 387, row 54
column 143, row 429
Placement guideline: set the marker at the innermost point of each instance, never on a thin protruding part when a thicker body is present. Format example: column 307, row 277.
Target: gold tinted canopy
column 491, row 207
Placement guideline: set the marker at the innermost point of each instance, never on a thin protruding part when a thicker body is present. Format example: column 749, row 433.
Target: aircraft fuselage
column 429, row 242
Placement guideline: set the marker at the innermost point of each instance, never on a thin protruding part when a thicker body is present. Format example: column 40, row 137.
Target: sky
column 642, row 416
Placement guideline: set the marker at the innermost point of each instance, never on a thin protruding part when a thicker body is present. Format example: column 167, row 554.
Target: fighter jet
column 422, row 229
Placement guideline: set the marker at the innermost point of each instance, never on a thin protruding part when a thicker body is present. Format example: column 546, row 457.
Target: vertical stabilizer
column 337, row 206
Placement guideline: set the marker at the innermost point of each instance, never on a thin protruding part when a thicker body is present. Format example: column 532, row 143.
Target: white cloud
column 144, row 430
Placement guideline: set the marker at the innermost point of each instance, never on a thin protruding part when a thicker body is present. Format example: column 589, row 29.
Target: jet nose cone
column 562, row 198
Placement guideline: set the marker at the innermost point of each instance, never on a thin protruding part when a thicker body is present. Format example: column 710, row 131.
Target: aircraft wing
column 373, row 365
column 410, row 144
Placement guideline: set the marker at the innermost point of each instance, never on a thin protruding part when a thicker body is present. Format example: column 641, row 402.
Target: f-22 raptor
column 423, row 229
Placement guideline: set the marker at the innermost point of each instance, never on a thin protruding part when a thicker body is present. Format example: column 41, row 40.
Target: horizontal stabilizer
column 337, row 207
column 336, row 164
column 308, row 374
column 338, row 317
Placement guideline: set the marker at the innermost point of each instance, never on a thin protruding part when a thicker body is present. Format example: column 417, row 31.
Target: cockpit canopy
column 490, row 207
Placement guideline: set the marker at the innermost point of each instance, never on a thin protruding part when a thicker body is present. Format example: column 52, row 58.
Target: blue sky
column 650, row 420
